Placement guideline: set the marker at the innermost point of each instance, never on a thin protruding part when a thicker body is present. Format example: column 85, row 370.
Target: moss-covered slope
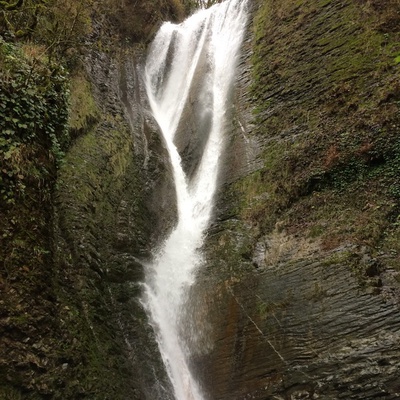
column 301, row 283
column 83, row 182
column 326, row 96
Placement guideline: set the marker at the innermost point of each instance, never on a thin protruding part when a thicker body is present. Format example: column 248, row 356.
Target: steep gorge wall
column 113, row 203
column 299, row 294
column 71, row 322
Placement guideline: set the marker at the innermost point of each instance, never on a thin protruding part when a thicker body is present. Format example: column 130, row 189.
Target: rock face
column 303, row 329
column 194, row 127
column 114, row 202
column 298, row 298
column 73, row 252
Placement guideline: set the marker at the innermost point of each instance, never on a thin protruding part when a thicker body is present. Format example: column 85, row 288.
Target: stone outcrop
column 289, row 303
column 114, row 202
column 76, row 328
column 298, row 297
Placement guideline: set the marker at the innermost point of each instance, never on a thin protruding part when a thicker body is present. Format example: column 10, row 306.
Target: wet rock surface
column 196, row 121
column 302, row 329
column 281, row 313
column 298, row 298
column 115, row 202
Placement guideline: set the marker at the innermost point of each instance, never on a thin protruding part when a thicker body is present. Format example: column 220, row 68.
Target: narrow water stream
column 203, row 49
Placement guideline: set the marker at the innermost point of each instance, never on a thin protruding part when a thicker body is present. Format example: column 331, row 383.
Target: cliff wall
column 86, row 192
column 299, row 294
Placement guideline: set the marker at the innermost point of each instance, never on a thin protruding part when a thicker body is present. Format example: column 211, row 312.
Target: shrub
column 33, row 115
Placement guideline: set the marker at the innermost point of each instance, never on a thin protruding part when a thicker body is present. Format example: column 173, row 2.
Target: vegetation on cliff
column 33, row 123
column 301, row 289
column 326, row 96
column 58, row 339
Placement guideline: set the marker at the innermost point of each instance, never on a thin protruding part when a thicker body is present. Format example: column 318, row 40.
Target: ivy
column 33, row 115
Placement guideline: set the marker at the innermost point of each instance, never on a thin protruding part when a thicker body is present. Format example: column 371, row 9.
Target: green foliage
column 83, row 108
column 57, row 24
column 326, row 109
column 33, row 115
column 37, row 38
column 10, row 393
column 139, row 21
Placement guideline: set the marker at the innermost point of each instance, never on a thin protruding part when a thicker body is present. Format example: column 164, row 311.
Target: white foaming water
column 207, row 43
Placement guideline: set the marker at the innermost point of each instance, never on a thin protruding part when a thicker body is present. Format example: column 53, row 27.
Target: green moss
column 268, row 309
column 10, row 393
column 57, row 298
column 83, row 109
column 327, row 111
column 340, row 257
column 83, row 173
column 33, row 136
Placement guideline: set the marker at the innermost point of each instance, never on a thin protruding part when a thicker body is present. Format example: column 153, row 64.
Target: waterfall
column 190, row 63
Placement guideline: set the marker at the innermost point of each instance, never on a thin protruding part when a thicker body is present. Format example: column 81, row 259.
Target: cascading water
column 202, row 49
